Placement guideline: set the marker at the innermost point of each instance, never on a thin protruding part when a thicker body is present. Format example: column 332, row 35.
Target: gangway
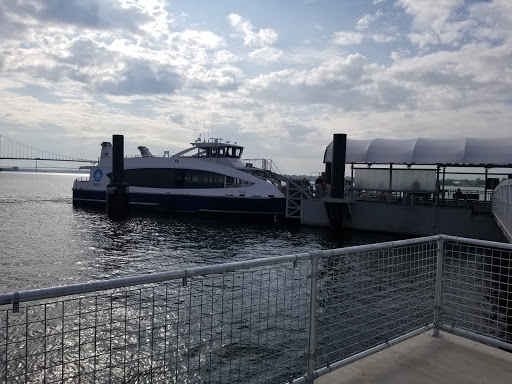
column 296, row 191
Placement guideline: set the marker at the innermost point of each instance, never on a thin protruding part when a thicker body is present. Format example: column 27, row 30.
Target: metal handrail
column 182, row 273
column 94, row 286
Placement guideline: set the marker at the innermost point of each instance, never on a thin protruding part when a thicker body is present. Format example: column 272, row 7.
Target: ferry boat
column 210, row 176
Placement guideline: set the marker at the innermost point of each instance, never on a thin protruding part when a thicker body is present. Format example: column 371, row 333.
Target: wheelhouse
column 214, row 148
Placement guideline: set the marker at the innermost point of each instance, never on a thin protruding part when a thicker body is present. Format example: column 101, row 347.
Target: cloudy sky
column 279, row 77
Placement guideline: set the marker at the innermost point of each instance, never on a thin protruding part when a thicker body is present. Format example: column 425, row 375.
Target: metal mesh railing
column 270, row 320
column 367, row 298
column 477, row 288
column 502, row 207
column 239, row 326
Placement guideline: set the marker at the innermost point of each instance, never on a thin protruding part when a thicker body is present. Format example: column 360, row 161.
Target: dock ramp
column 296, row 191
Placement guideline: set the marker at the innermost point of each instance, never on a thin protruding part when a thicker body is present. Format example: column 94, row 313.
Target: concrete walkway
column 425, row 359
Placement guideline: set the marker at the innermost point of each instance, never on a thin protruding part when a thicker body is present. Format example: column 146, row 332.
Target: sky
column 278, row 77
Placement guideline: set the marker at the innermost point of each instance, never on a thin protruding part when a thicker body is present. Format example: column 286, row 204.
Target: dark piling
column 118, row 204
column 339, row 154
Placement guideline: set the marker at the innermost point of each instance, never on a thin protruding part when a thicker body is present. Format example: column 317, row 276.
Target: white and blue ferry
column 208, row 177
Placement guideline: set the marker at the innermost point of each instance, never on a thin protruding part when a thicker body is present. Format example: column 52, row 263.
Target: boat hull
column 187, row 203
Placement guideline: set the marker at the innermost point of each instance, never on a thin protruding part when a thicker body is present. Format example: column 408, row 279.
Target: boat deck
column 448, row 359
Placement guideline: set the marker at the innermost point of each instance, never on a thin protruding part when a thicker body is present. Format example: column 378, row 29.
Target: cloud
column 336, row 82
column 427, row 14
column 267, row 54
column 262, row 39
column 177, row 118
column 252, row 38
column 224, row 57
column 93, row 14
column 297, row 131
column 471, row 76
column 11, row 23
column 347, row 38
column 492, row 21
column 224, row 78
column 85, row 52
column 120, row 63
column 444, row 81
column 382, row 38
column 197, row 39
column 366, row 20
column 455, row 22
column 134, row 67
column 139, row 78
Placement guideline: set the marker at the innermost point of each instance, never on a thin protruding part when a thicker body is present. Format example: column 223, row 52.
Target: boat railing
column 263, row 164
column 447, row 197
column 268, row 169
column 277, row 319
column 139, row 155
column 80, row 181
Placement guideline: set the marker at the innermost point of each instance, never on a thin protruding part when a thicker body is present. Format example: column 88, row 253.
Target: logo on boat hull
column 98, row 174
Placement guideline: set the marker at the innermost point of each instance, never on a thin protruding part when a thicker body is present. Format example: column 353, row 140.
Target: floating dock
column 400, row 186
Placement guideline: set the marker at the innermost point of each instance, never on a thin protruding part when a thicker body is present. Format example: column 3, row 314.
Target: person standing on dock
column 457, row 195
column 319, row 186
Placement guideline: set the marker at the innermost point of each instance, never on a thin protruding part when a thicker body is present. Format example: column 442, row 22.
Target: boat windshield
column 224, row 151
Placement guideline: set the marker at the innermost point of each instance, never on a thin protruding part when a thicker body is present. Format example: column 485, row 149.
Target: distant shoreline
column 39, row 170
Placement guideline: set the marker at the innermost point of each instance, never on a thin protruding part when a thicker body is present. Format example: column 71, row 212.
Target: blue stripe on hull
column 184, row 203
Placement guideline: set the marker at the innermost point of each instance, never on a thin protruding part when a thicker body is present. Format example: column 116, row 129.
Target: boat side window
column 233, row 182
column 204, row 179
column 180, row 178
column 195, row 178
column 151, row 177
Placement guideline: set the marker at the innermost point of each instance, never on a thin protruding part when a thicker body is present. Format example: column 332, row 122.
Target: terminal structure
column 399, row 186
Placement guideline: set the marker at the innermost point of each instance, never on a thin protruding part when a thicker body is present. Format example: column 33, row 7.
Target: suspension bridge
column 11, row 149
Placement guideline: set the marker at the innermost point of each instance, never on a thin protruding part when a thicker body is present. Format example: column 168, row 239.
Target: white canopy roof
column 463, row 151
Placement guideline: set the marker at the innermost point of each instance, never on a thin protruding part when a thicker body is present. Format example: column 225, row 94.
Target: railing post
column 315, row 256
column 439, row 285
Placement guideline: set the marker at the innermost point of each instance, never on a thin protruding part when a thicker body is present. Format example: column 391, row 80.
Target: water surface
column 45, row 241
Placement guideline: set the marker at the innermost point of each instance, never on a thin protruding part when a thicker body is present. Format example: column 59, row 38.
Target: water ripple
column 47, row 242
